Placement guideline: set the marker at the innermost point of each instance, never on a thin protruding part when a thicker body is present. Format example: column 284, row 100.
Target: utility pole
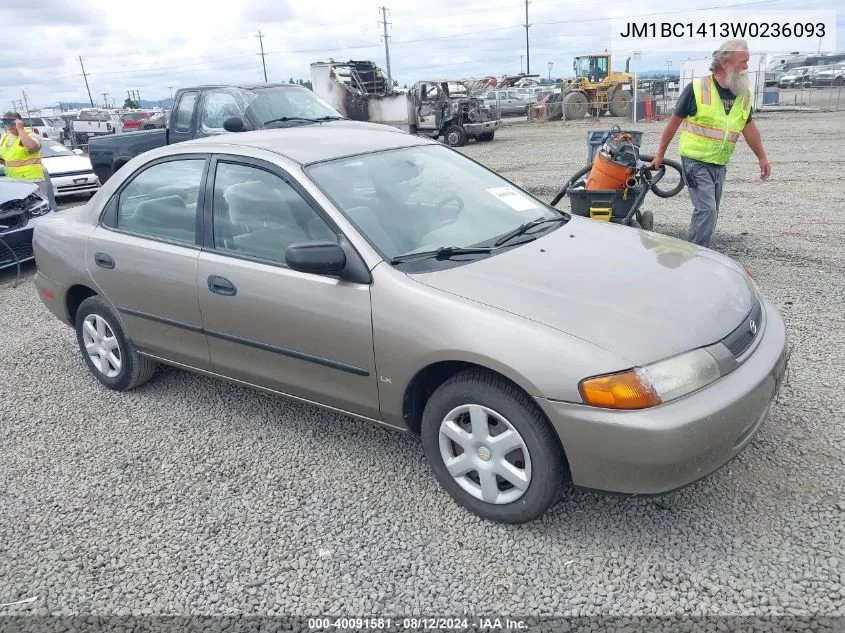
column 23, row 92
column 261, row 41
column 384, row 23
column 521, row 57
column 90, row 98
column 551, row 65
column 171, row 92
column 527, row 51
column 105, row 100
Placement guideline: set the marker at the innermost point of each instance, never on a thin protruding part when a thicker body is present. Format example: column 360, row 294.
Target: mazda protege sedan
column 391, row 278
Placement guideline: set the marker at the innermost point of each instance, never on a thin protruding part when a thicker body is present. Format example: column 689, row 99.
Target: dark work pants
column 705, row 182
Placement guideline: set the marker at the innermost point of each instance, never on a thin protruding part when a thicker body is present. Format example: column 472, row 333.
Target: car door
column 302, row 334
column 143, row 257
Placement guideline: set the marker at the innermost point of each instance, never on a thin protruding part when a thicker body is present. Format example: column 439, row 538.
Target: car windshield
column 50, row 149
column 268, row 104
column 418, row 199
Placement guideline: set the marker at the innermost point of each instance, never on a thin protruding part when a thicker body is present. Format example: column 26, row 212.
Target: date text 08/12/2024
column 416, row 624
column 722, row 29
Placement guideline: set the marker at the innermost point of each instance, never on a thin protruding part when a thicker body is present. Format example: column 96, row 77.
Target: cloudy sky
column 153, row 45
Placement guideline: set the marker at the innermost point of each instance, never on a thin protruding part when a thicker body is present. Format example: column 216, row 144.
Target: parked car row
column 813, row 76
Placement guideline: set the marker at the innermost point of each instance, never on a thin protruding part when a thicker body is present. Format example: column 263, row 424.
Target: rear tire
column 491, row 407
column 647, row 220
column 100, row 336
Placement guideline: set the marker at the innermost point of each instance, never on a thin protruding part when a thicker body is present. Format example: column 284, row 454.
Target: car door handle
column 221, row 286
column 103, row 260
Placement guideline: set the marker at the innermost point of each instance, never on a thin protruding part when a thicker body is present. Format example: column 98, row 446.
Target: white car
column 46, row 127
column 70, row 172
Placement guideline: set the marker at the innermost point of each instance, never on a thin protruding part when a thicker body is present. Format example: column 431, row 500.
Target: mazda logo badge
column 752, row 326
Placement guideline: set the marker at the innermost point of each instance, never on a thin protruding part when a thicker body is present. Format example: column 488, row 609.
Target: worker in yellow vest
column 712, row 112
column 20, row 151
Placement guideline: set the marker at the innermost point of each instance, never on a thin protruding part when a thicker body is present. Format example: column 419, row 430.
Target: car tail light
column 628, row 390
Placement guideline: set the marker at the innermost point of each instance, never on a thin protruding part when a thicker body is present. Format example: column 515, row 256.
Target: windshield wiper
column 299, row 118
column 523, row 228
column 444, row 252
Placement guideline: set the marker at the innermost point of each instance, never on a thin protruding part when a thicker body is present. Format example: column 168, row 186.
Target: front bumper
column 74, row 184
column 476, row 129
column 20, row 243
column 658, row 450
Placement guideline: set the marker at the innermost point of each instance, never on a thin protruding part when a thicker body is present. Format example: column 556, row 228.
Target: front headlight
column 36, row 205
column 651, row 385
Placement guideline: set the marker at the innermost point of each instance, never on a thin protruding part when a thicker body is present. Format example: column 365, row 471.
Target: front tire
column 455, row 136
column 492, row 448
column 107, row 351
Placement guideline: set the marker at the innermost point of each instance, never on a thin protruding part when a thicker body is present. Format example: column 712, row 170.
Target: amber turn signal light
column 628, row 390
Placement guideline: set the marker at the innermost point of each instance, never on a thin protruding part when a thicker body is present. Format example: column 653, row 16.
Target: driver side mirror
column 234, row 124
column 319, row 257
column 78, row 152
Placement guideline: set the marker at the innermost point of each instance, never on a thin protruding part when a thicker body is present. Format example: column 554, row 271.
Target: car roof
column 316, row 142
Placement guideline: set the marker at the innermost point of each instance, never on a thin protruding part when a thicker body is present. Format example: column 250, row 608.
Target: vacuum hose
column 16, row 259
column 666, row 193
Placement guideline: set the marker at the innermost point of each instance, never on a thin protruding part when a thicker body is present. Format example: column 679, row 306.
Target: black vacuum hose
column 575, row 177
column 666, row 193
column 17, row 261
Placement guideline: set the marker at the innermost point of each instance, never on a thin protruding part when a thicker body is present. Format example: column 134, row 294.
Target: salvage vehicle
column 442, row 108
column 21, row 208
column 208, row 110
column 391, row 278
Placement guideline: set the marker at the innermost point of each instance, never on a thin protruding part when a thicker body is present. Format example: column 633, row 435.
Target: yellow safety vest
column 19, row 161
column 711, row 135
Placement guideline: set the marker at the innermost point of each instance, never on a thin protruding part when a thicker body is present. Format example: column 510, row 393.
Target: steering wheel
column 442, row 203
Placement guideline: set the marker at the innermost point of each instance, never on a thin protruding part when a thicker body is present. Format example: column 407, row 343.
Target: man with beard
column 712, row 112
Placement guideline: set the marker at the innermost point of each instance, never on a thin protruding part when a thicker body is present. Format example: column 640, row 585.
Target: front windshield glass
column 418, row 199
column 266, row 104
column 51, row 149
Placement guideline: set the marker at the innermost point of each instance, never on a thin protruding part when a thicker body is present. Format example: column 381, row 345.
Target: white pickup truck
column 91, row 123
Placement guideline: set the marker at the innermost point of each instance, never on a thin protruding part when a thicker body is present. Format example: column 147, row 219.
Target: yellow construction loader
column 597, row 88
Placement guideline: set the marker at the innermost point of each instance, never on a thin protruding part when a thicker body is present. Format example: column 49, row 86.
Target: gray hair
column 724, row 52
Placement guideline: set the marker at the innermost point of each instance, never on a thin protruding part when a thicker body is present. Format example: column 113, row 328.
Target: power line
column 90, row 98
column 261, row 40
column 384, row 23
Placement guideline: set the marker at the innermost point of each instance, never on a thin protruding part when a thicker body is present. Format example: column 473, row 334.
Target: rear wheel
column 574, row 106
column 107, row 351
column 647, row 220
column 492, row 448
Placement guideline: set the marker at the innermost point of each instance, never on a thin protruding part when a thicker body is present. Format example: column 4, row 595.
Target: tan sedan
column 391, row 278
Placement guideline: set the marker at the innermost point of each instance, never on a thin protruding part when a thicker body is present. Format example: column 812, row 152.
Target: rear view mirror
column 234, row 124
column 320, row 257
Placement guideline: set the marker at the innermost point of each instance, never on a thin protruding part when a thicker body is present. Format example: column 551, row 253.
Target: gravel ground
column 191, row 496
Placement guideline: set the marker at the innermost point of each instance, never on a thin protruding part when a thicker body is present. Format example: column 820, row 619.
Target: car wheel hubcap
column 101, row 345
column 485, row 454
column 453, row 138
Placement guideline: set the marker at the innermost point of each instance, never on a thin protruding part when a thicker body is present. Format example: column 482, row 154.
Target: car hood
column 58, row 165
column 15, row 190
column 640, row 295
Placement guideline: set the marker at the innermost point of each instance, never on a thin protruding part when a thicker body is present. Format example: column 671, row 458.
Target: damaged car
column 444, row 108
column 21, row 207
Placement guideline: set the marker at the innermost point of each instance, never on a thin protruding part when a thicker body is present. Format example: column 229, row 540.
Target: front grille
column 743, row 336
column 84, row 172
column 22, row 252
column 12, row 222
